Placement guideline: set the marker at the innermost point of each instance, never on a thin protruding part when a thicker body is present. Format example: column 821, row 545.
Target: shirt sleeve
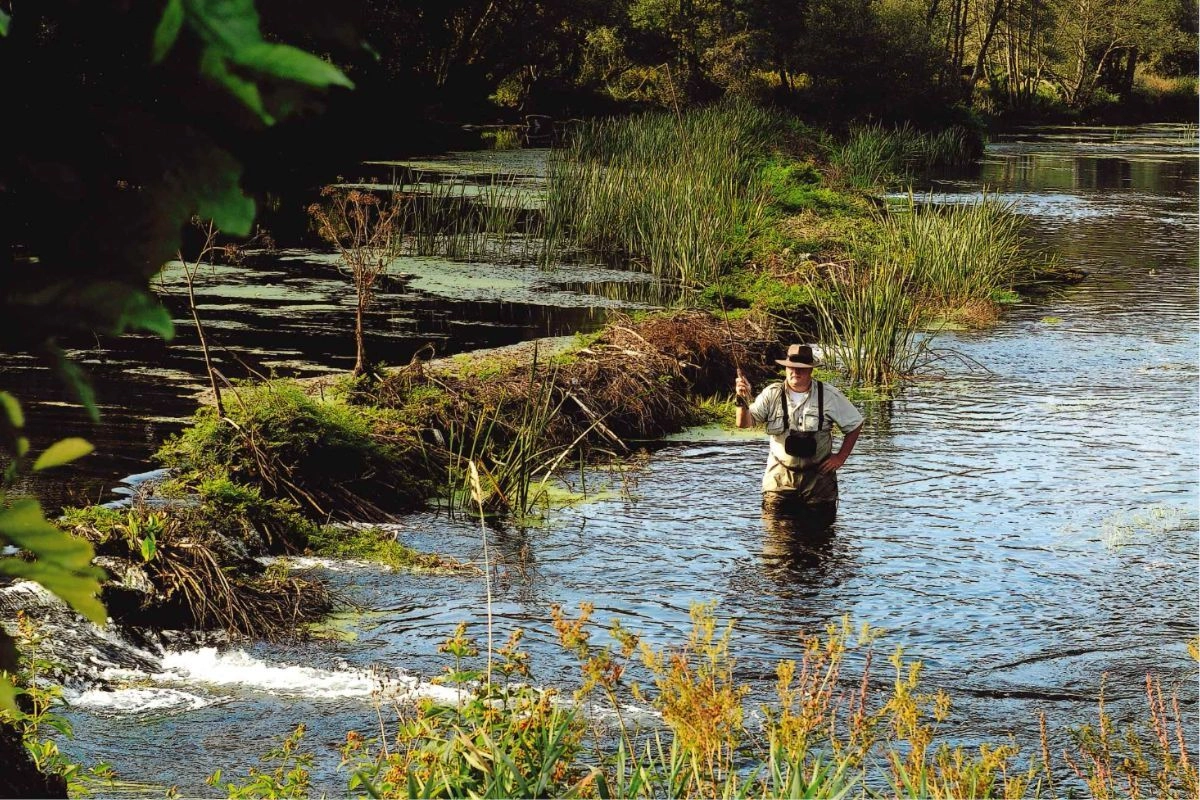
column 841, row 410
column 760, row 409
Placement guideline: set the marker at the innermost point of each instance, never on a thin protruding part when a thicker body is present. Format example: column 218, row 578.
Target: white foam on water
column 317, row 562
column 237, row 668
column 145, row 700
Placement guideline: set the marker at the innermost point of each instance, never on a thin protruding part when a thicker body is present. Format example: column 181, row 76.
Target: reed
column 497, row 449
column 923, row 262
column 867, row 319
column 675, row 194
column 875, row 155
column 959, row 253
column 485, row 220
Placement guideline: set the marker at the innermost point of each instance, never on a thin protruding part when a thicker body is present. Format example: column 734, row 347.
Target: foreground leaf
column 64, row 451
column 168, row 30
column 64, row 562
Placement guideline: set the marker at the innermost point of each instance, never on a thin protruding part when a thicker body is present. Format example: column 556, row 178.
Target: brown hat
column 798, row 355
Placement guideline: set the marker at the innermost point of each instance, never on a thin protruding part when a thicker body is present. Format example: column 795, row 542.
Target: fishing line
column 729, row 332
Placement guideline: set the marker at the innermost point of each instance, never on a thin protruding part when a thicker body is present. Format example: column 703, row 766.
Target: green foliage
column 320, row 455
column 139, row 164
column 290, row 778
column 501, row 739
column 58, row 561
column 35, row 716
column 757, row 290
column 224, row 499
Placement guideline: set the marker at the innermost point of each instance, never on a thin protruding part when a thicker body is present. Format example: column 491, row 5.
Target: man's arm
column 835, row 461
column 741, row 388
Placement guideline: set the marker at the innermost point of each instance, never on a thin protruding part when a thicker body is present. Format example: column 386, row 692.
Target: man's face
column 798, row 378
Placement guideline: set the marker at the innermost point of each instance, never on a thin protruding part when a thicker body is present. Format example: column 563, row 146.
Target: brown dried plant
column 365, row 232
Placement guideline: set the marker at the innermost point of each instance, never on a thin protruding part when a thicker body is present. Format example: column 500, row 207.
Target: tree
column 364, row 231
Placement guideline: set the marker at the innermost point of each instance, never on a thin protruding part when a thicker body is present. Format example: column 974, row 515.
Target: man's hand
column 741, row 387
column 833, row 463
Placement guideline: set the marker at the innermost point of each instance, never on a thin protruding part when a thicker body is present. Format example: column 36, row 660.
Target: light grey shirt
column 768, row 410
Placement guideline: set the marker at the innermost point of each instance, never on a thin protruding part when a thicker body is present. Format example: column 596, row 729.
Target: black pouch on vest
column 800, row 444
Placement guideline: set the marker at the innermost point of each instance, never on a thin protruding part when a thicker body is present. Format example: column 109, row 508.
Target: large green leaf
column 214, row 65
column 63, row 562
column 12, row 409
column 291, row 63
column 168, row 30
column 8, row 689
column 119, row 307
column 231, row 23
column 79, row 590
column 24, row 525
column 64, row 451
column 229, row 30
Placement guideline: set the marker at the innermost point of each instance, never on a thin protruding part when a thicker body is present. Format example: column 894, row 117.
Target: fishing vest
column 816, row 424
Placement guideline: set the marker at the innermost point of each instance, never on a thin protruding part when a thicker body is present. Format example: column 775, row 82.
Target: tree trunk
column 360, row 346
column 997, row 14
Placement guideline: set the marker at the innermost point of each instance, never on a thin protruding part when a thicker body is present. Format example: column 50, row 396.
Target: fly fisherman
column 799, row 412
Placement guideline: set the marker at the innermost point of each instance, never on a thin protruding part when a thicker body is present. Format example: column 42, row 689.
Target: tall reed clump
column 961, row 252
column 924, row 262
column 493, row 218
column 677, row 194
column 867, row 317
column 875, row 155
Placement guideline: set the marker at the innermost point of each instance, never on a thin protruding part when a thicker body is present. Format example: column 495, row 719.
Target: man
column 801, row 476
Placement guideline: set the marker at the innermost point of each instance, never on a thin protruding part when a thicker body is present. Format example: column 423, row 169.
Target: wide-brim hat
column 798, row 355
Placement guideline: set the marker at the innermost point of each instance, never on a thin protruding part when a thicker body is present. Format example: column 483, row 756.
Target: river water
column 1024, row 521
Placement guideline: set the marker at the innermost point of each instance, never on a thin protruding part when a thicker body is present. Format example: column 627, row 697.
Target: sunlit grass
column 678, row 195
column 875, row 155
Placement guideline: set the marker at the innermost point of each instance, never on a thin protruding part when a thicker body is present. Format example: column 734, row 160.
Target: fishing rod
column 732, row 347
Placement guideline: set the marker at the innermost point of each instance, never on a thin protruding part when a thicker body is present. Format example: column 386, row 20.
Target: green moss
column 324, row 455
column 379, row 546
column 714, row 411
column 99, row 518
column 749, row 289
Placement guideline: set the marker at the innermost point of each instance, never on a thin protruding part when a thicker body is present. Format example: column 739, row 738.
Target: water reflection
column 801, row 550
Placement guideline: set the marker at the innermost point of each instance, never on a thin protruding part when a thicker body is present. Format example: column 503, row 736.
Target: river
column 1024, row 521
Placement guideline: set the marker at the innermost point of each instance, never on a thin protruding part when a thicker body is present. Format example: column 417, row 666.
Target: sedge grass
column 923, row 263
column 875, row 155
column 867, row 320
column 677, row 195
column 961, row 252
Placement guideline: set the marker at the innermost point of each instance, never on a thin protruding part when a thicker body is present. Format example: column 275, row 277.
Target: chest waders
column 797, row 479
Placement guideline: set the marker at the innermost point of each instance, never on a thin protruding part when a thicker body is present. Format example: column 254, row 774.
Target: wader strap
column 820, row 406
column 787, row 418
